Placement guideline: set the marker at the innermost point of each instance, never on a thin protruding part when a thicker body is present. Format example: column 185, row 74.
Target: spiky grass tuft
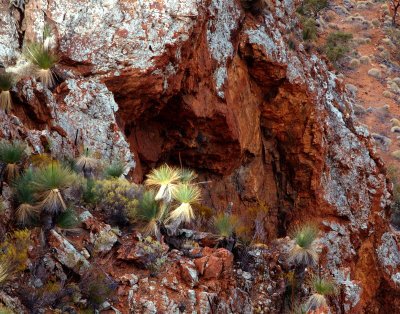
column 186, row 195
column 321, row 287
column 304, row 251
column 115, row 169
column 225, row 224
column 186, row 175
column 49, row 183
column 86, row 161
column 7, row 81
column 25, row 195
column 12, row 154
column 43, row 60
column 149, row 210
column 165, row 177
column 68, row 219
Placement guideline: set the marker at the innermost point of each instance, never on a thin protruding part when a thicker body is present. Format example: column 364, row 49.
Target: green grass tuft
column 39, row 56
column 305, row 235
column 323, row 286
column 7, row 81
column 225, row 224
column 68, row 219
column 12, row 153
column 115, row 169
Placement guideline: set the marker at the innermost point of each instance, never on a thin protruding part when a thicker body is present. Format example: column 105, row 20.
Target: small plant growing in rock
column 86, row 163
column 186, row 195
column 149, row 210
column 43, row 61
column 304, row 251
column 95, row 287
column 25, row 196
column 12, row 154
column 50, row 182
column 68, row 219
column 166, row 178
column 321, row 288
column 225, row 225
column 115, row 169
column 7, row 82
column 153, row 255
column 88, row 191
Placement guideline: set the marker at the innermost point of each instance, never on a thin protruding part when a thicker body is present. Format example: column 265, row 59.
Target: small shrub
column 115, row 169
column 303, row 251
column 354, row 63
column 7, row 82
column 118, row 198
column 14, row 254
column 12, row 154
column 312, row 7
column 365, row 60
column 95, row 287
column 43, row 60
column 337, row 45
column 153, row 255
column 309, row 29
column 375, row 73
column 387, row 94
column 40, row 160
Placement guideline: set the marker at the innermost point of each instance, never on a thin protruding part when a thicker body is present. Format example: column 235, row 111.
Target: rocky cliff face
column 218, row 89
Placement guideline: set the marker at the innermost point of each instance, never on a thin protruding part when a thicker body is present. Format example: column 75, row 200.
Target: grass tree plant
column 25, row 196
column 166, row 178
column 303, row 251
column 321, row 287
column 50, row 182
column 86, row 163
column 7, row 82
column 12, row 154
column 43, row 60
column 115, row 169
column 186, row 195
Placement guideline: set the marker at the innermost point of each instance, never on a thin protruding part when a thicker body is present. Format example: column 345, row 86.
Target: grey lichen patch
column 389, row 255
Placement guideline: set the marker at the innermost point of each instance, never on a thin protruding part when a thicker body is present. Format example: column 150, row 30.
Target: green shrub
column 68, row 219
column 118, row 198
column 115, row 169
column 312, row 8
column 95, row 287
column 337, row 45
column 321, row 288
column 309, row 28
column 88, row 191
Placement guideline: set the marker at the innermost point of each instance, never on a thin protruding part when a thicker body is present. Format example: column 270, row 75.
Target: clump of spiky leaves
column 186, row 195
column 115, row 169
column 186, row 175
column 88, row 191
column 14, row 254
column 25, row 195
column 12, row 154
column 7, row 81
column 86, row 162
column 321, row 288
column 150, row 211
column 43, row 60
column 304, row 251
column 49, row 184
column 225, row 224
column 165, row 177
column 68, row 219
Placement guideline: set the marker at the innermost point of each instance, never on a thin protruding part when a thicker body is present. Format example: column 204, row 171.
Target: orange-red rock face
column 219, row 90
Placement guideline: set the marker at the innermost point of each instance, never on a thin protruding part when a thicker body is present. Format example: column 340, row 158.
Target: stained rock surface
column 213, row 86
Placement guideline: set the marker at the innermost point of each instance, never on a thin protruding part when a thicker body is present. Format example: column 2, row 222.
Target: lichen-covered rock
column 66, row 254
